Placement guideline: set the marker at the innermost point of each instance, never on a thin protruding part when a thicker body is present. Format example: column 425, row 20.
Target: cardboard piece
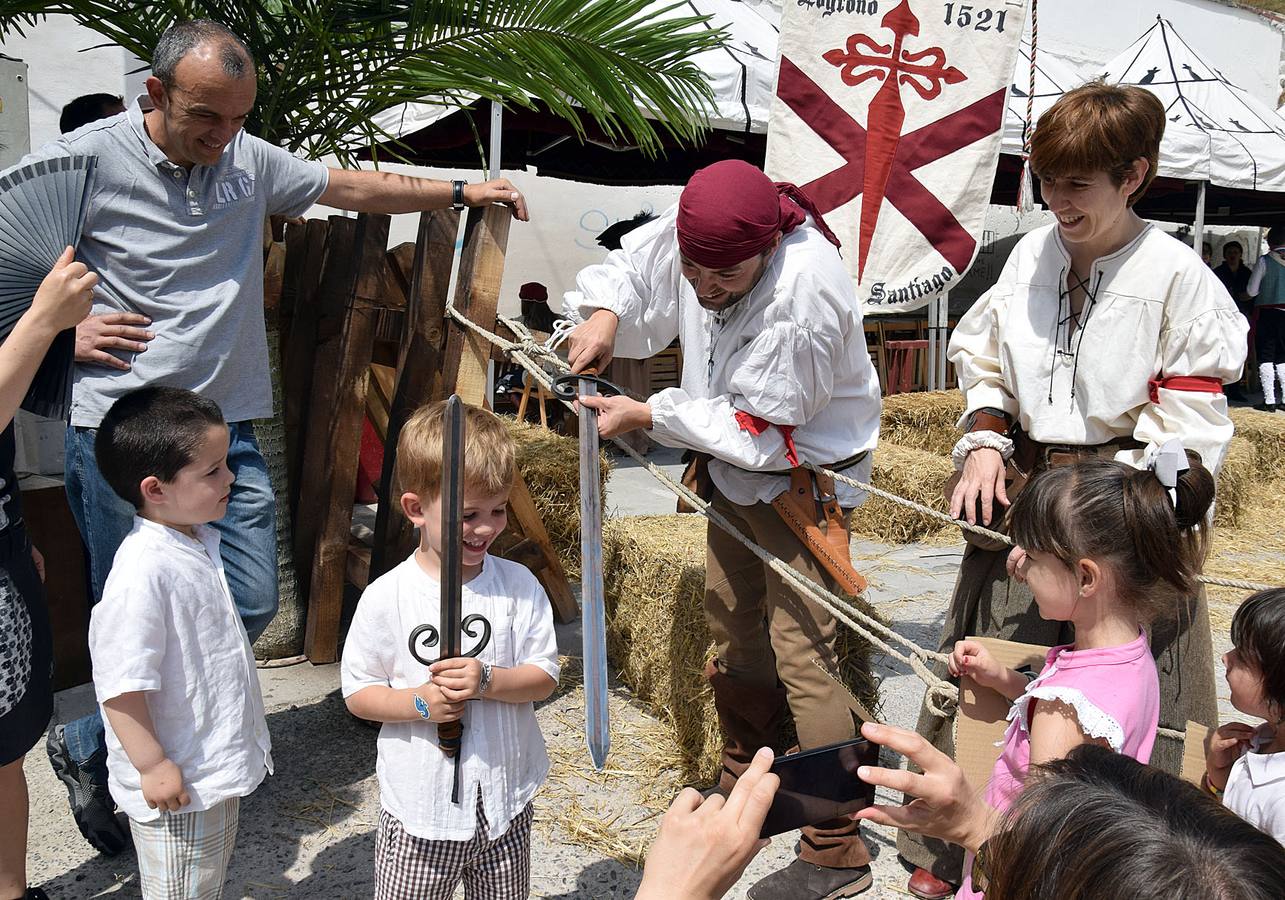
column 1193, row 752
column 983, row 713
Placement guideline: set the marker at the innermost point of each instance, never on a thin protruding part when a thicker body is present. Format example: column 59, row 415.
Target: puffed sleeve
column 974, row 351
column 784, row 376
column 369, row 657
column 1204, row 335
column 639, row 283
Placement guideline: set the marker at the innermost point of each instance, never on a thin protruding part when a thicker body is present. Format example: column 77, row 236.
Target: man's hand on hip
column 617, row 415
column 96, row 335
column 590, row 344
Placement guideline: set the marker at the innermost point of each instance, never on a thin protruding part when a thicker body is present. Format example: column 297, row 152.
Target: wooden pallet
column 350, row 303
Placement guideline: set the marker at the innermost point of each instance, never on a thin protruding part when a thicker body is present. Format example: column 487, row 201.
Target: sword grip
column 449, row 737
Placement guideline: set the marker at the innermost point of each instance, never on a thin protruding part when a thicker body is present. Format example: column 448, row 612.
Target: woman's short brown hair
column 489, row 460
column 1100, row 127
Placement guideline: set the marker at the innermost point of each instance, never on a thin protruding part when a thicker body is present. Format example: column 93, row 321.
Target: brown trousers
column 987, row 603
column 766, row 637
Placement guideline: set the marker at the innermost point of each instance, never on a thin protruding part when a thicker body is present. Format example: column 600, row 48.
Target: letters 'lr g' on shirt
column 503, row 751
column 185, row 249
column 167, row 626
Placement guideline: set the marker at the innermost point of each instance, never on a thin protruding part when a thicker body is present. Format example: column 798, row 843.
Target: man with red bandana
column 747, row 276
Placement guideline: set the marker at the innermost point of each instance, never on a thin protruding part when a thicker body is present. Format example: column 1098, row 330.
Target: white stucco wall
column 61, row 68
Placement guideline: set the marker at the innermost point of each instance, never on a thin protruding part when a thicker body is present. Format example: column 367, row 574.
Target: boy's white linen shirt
column 792, row 351
column 503, row 751
column 167, row 625
column 1159, row 311
column 1256, row 786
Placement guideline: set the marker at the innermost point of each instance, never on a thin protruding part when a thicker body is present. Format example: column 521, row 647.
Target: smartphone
column 820, row 784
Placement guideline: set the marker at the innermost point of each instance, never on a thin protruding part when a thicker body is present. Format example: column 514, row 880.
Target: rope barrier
column 941, row 697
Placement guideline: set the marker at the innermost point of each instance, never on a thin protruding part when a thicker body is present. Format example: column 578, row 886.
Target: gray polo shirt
column 185, row 249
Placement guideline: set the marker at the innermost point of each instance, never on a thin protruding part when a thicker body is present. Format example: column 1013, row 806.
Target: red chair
column 904, row 362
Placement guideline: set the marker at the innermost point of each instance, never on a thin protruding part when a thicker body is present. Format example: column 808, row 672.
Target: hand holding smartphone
column 820, row 784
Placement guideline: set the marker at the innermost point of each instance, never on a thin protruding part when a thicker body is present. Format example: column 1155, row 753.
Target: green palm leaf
column 326, row 67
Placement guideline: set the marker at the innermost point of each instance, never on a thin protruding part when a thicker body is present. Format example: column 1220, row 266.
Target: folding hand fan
column 42, row 211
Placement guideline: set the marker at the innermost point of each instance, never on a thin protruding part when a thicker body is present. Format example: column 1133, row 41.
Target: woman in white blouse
column 1103, row 336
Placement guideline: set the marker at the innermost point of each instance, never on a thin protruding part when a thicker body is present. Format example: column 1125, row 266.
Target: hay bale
column 922, row 421
column 1237, row 476
column 914, row 474
column 550, row 463
column 1266, row 431
column 654, row 570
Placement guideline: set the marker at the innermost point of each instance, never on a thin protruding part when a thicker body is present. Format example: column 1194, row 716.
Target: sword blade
column 593, row 620
column 452, row 527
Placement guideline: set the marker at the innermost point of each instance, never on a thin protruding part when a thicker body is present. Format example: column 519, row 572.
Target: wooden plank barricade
column 344, row 296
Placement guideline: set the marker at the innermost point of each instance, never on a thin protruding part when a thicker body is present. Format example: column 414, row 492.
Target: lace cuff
column 975, row 439
column 1094, row 723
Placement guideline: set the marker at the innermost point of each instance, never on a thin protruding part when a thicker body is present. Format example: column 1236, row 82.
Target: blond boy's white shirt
column 503, row 752
column 167, row 626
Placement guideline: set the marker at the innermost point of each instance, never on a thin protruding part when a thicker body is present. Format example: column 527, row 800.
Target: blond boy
column 425, row 844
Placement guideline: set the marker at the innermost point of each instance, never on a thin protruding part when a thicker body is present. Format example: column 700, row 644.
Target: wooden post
column 343, row 441
column 303, row 281
column 319, row 354
column 477, row 296
column 423, row 340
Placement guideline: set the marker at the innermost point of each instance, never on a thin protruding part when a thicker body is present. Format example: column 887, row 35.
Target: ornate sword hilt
column 426, row 636
column 567, row 387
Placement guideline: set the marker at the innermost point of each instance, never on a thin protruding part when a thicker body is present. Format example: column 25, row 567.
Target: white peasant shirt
column 503, row 751
column 791, row 352
column 1158, row 311
column 166, row 625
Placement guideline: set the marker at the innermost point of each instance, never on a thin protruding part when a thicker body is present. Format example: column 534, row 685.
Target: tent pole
column 943, row 327
column 1198, row 229
column 493, row 158
column 932, row 344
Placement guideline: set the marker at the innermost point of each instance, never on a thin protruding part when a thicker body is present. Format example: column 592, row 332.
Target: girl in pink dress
column 1106, row 547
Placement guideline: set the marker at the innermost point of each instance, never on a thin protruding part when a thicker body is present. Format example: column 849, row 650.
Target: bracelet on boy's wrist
column 421, row 707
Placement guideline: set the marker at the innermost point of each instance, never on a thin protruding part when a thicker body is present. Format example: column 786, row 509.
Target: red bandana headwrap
column 730, row 211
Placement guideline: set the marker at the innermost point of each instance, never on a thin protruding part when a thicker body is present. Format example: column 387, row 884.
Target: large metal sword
column 450, row 735
column 593, row 616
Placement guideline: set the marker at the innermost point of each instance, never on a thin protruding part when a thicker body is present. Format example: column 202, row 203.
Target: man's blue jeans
column 248, row 545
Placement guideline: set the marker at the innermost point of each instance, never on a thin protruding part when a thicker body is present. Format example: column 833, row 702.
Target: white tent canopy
column 1053, row 78
column 1217, row 131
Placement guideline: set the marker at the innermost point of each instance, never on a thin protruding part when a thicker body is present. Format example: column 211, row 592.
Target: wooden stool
column 903, row 361
column 542, row 396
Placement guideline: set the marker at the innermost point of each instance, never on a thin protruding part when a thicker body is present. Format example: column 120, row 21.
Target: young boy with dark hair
column 425, row 844
column 173, row 668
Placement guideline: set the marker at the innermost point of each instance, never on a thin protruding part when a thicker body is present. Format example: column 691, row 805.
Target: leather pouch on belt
column 817, row 520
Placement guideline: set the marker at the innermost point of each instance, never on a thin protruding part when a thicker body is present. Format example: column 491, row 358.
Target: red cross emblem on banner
column 879, row 161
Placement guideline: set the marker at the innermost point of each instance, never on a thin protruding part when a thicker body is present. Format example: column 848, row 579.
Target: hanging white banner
column 889, row 116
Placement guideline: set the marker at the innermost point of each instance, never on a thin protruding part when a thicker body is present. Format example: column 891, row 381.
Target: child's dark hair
column 1111, row 512
column 1258, row 634
column 152, row 431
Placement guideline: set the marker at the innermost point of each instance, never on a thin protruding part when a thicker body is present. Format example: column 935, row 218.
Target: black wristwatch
column 457, row 195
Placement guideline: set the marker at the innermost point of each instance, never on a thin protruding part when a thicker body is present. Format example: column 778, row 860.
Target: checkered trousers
column 411, row 868
column 185, row 855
